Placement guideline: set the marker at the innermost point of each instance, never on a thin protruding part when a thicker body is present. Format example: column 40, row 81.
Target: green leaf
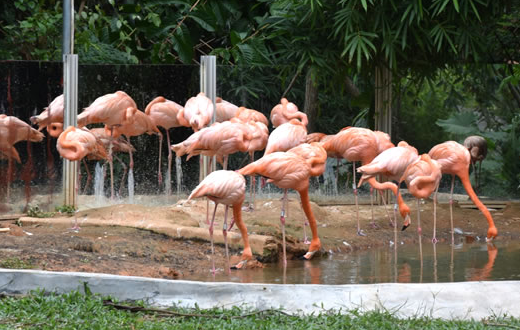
column 462, row 123
column 364, row 4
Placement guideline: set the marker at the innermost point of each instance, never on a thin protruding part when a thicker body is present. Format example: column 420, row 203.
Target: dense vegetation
column 77, row 311
column 454, row 62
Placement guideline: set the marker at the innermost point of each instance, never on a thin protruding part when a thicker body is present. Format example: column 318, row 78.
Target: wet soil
column 116, row 247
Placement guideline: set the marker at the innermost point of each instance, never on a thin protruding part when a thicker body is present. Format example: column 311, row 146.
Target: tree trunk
column 310, row 106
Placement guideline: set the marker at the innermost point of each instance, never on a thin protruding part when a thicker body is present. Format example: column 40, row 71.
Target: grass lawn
column 40, row 310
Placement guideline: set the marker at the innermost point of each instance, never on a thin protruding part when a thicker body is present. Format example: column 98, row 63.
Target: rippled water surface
column 475, row 261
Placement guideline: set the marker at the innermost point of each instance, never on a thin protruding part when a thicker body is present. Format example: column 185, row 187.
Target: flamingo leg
column 354, row 186
column 211, row 239
column 76, row 226
column 252, row 185
column 225, row 162
column 110, row 160
column 282, row 221
column 89, row 176
column 125, row 170
column 159, row 174
column 315, row 241
column 337, row 176
column 247, row 253
column 419, row 229
column 224, row 233
column 169, row 174
column 435, row 218
column 451, row 206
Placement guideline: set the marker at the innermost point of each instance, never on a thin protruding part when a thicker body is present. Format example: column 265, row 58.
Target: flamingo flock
column 291, row 155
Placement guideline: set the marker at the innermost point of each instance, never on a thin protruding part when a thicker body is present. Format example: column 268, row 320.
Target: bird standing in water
column 228, row 188
column 454, row 159
column 358, row 144
column 289, row 170
column 422, row 178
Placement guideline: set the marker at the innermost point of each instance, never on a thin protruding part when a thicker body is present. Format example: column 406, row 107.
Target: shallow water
column 475, row 261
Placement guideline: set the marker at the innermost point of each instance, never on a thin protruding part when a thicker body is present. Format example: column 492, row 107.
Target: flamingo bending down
column 113, row 110
column 288, row 170
column 358, row 144
column 51, row 114
column 422, row 178
column 197, row 112
column 454, row 159
column 163, row 113
column 75, row 144
column 228, row 188
column 285, row 111
column 221, row 139
column 391, row 163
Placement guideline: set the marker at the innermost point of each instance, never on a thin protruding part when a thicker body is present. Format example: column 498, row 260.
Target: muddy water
column 475, row 261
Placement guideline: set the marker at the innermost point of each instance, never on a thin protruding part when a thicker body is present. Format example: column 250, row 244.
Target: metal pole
column 70, row 92
column 208, row 85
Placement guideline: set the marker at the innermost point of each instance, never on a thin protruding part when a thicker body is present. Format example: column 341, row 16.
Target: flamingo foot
column 308, row 255
column 361, row 233
column 374, row 225
column 240, row 265
column 306, row 241
column 76, row 228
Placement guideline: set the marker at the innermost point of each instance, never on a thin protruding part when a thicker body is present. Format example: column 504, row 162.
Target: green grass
column 15, row 263
column 74, row 310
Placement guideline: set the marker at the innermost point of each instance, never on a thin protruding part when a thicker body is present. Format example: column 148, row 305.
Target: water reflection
column 438, row 263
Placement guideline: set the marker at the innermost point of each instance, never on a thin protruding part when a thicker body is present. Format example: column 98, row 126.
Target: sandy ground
column 171, row 241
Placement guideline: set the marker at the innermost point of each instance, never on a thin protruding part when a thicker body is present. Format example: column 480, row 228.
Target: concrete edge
column 464, row 300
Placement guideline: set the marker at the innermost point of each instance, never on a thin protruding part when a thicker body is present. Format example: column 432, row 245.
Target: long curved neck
column 404, row 209
column 464, row 177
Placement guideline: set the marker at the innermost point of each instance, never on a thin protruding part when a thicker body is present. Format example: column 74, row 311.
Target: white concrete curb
column 463, row 300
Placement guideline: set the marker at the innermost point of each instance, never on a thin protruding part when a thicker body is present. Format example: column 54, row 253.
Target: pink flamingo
column 285, row 111
column 224, row 110
column 163, row 113
column 358, row 144
column 228, row 188
column 197, row 112
column 289, row 170
column 422, row 178
column 454, row 159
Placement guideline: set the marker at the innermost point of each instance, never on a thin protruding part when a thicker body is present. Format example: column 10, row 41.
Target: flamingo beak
column 406, row 223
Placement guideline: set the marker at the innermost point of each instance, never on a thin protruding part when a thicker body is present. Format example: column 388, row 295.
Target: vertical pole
column 70, row 92
column 208, row 85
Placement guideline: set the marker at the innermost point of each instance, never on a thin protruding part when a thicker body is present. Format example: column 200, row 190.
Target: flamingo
column 13, row 130
column 228, row 188
column 286, row 136
column 422, row 178
column 454, row 159
column 358, row 144
column 221, row 139
column 315, row 137
column 247, row 115
column 113, row 110
column 391, row 163
column 53, row 113
column 289, row 170
column 285, row 111
column 224, row 110
column 163, row 113
column 197, row 112
column 75, row 144
column 477, row 147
